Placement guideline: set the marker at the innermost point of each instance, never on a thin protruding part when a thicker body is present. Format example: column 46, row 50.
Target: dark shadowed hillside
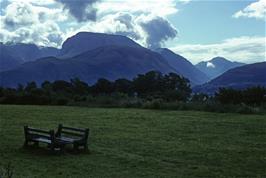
column 85, row 41
column 240, row 77
column 183, row 66
column 12, row 55
column 110, row 62
column 8, row 59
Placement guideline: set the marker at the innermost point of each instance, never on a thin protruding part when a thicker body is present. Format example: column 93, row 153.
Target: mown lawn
column 127, row 143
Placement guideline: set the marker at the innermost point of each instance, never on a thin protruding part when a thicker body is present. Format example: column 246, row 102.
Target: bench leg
column 26, row 143
column 86, row 147
column 76, row 148
column 62, row 148
column 52, row 149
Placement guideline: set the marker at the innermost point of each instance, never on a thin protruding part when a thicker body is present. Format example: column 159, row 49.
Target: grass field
column 127, row 143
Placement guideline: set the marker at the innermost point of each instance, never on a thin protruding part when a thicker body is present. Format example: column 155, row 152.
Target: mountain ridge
column 124, row 62
column 85, row 41
column 238, row 78
column 216, row 66
column 13, row 55
column 183, row 66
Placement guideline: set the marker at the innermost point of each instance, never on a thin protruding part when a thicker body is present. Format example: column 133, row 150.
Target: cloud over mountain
column 48, row 23
column 150, row 31
column 82, row 10
column 158, row 31
column 247, row 49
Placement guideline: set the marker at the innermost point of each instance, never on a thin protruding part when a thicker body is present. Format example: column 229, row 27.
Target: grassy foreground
column 134, row 143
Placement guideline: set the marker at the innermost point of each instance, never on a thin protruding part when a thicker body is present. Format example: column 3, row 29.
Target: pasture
column 127, row 143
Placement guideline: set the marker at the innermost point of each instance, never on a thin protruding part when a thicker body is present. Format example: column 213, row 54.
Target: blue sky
column 211, row 21
column 198, row 30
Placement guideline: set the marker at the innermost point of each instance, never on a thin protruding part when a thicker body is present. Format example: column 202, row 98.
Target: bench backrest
column 31, row 133
column 71, row 131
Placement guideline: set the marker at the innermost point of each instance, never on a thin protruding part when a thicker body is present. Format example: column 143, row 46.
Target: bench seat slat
column 44, row 140
column 39, row 136
column 67, row 139
column 75, row 129
column 38, row 130
column 72, row 133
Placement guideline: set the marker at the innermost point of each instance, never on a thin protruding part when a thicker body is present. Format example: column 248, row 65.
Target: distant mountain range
column 110, row 62
column 239, row 78
column 216, row 66
column 90, row 56
column 12, row 55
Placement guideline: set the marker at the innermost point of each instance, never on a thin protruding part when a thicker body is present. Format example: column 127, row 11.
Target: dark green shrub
column 61, row 101
column 153, row 104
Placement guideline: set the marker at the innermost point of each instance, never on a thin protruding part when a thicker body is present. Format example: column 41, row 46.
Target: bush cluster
column 149, row 86
column 152, row 90
column 251, row 96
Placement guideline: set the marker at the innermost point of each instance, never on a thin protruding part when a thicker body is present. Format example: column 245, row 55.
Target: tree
column 200, row 97
column 149, row 84
column 176, row 87
column 229, row 96
column 123, row 86
column 103, row 86
column 61, row 86
column 254, row 95
column 46, row 85
column 79, row 87
column 30, row 86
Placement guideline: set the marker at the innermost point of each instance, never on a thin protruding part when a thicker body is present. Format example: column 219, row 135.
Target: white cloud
column 29, row 23
column 210, row 65
column 185, row 1
column 242, row 49
column 148, row 30
column 27, row 18
column 254, row 10
column 154, row 7
column 35, row 2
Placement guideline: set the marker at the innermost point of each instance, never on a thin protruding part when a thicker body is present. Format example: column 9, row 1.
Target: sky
column 196, row 29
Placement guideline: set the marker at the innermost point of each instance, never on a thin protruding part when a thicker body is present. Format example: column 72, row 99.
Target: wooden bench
column 76, row 136
column 33, row 135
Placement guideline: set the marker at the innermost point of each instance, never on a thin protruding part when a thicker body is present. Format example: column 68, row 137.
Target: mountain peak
column 219, row 59
column 238, row 77
column 216, row 66
column 85, row 41
column 95, row 34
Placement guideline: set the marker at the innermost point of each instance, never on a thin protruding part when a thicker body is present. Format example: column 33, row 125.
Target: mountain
column 110, row 62
column 183, row 66
column 216, row 66
column 7, row 59
column 12, row 55
column 30, row 52
column 85, row 41
column 239, row 77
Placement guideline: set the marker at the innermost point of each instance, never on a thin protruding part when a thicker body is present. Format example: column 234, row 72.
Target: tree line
column 250, row 96
column 152, row 85
column 151, row 90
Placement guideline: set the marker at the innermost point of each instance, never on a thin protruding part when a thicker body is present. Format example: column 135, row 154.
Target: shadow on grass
column 44, row 151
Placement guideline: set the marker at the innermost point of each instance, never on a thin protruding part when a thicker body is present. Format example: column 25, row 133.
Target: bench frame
column 33, row 135
column 76, row 136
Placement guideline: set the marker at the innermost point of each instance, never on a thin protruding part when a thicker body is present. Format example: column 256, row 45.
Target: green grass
column 127, row 143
